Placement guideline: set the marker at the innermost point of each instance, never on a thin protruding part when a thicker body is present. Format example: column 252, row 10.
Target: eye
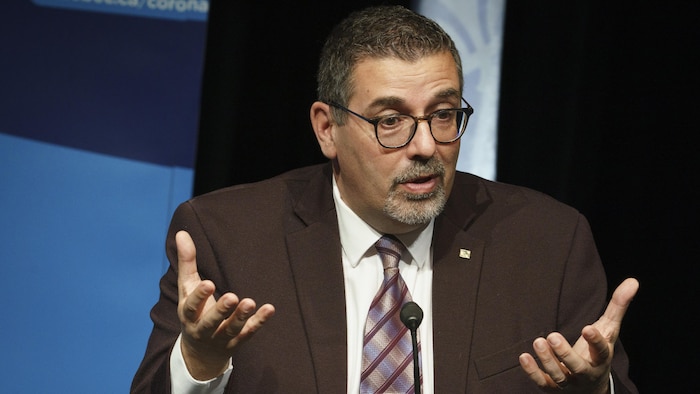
column 443, row 115
column 391, row 121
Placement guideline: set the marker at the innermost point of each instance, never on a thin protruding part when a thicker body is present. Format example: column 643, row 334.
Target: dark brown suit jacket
column 533, row 269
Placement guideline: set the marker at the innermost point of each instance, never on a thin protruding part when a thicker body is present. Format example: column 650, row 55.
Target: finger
column 599, row 347
column 193, row 303
column 245, row 321
column 533, row 371
column 211, row 319
column 551, row 364
column 571, row 362
column 237, row 320
column 257, row 320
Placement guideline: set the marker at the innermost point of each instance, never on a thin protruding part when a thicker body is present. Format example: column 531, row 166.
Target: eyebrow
column 389, row 101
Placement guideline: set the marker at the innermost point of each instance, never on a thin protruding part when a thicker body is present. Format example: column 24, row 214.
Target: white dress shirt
column 364, row 274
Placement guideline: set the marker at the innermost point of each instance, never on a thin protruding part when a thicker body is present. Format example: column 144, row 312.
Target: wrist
column 203, row 366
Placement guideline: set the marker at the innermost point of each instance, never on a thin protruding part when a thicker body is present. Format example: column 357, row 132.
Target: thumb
column 186, row 259
column 617, row 307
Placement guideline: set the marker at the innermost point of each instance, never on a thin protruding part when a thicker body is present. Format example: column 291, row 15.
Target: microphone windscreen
column 411, row 315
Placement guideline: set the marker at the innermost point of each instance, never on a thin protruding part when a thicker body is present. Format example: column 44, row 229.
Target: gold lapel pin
column 465, row 253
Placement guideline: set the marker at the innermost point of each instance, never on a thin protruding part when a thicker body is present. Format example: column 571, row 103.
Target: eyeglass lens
column 445, row 125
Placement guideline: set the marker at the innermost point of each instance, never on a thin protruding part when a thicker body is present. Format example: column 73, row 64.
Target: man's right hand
column 211, row 328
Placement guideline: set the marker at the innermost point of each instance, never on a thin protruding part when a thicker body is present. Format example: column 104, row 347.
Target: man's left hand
column 585, row 367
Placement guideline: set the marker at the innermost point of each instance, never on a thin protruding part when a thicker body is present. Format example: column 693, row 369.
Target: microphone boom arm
column 412, row 316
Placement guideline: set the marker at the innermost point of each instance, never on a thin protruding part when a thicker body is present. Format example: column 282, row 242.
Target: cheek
column 451, row 152
column 369, row 172
column 449, row 158
column 356, row 149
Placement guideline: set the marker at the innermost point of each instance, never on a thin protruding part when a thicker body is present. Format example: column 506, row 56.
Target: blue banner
column 167, row 9
column 98, row 129
column 110, row 83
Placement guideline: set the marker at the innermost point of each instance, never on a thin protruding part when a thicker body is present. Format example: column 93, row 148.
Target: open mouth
column 421, row 184
column 422, row 179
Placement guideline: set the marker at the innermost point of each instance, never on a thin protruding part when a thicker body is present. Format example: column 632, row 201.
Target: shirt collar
column 357, row 237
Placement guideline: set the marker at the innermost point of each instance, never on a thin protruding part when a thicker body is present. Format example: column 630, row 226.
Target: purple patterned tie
column 387, row 356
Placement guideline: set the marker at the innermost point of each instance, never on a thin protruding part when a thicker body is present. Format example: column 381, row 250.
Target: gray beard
column 415, row 209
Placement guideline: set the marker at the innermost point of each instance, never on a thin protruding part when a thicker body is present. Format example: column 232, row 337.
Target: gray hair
column 377, row 32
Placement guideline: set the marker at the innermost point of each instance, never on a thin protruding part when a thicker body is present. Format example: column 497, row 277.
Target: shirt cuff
column 181, row 382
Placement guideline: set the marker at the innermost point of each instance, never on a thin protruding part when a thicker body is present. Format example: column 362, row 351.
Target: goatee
column 411, row 208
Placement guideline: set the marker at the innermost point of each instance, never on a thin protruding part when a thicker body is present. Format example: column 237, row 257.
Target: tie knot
column 389, row 249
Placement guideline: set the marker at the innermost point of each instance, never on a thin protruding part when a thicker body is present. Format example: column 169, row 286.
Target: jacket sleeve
column 586, row 278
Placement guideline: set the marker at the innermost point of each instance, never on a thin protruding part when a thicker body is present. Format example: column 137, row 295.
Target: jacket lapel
column 315, row 258
column 457, row 262
column 456, row 269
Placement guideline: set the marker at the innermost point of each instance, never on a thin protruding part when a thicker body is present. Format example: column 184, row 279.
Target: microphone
column 411, row 316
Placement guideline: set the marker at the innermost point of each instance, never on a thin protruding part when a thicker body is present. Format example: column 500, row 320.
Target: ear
column 323, row 125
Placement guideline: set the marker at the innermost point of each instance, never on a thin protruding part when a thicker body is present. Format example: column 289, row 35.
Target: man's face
column 397, row 190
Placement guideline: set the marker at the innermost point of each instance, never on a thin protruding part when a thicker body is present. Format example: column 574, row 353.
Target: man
column 496, row 268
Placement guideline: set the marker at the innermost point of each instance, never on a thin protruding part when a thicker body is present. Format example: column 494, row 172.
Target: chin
column 415, row 209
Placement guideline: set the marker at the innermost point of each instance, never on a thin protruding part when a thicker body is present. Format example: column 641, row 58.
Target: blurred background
column 112, row 113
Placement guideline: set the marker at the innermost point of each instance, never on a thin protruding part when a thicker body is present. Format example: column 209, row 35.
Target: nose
column 423, row 144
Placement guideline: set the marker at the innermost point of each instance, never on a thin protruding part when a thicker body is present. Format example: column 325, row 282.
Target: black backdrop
column 598, row 104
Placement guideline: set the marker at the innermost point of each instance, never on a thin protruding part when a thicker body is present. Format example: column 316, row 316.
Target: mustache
column 419, row 169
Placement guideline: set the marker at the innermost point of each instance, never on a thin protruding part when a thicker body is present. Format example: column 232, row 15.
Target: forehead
column 429, row 77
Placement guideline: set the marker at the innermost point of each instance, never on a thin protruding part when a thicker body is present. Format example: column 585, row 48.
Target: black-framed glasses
column 397, row 130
